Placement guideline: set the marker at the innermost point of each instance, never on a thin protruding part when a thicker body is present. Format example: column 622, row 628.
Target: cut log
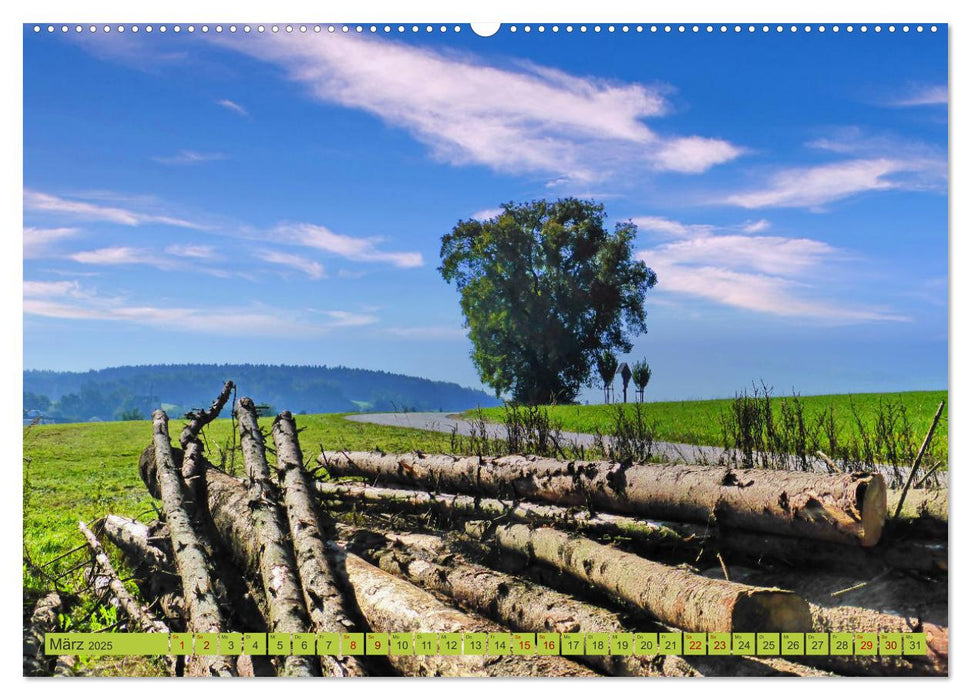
column 651, row 535
column 512, row 602
column 277, row 567
column 203, row 417
column 581, row 519
column 42, row 621
column 671, row 595
column 392, row 605
column 191, row 556
column 835, row 507
column 323, row 597
column 387, row 603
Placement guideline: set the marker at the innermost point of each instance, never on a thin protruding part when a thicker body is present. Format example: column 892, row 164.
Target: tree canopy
column 545, row 287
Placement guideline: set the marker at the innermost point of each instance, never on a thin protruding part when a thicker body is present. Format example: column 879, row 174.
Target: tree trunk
column 191, row 557
column 392, row 605
column 925, row 508
column 42, row 620
column 276, row 561
column 324, row 600
column 671, row 595
column 842, row 508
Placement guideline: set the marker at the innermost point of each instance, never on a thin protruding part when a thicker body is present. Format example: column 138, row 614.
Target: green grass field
column 83, row 471
column 699, row 422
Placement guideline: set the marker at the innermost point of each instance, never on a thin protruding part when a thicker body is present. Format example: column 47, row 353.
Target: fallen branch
column 203, row 417
column 671, row 595
column 835, row 507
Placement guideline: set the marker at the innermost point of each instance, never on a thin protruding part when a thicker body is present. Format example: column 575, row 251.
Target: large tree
column 545, row 287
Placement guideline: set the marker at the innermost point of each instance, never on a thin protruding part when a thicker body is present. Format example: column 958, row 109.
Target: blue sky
column 280, row 198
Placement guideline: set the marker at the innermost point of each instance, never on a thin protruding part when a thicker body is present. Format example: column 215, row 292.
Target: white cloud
column 659, row 224
column 520, row 119
column 756, row 226
column 38, row 242
column 767, row 274
column 185, row 157
column 196, row 252
column 75, row 208
column 233, row 107
column 311, row 268
column 118, row 255
column 358, row 249
column 67, row 300
column 486, row 214
column 821, row 184
column 921, row 96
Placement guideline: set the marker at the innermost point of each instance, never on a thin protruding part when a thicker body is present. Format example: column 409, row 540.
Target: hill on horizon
column 132, row 392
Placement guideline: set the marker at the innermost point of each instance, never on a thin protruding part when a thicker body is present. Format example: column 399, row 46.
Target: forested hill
column 120, row 393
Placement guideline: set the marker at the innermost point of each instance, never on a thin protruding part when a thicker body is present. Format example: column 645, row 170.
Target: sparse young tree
column 642, row 375
column 607, row 368
column 545, row 287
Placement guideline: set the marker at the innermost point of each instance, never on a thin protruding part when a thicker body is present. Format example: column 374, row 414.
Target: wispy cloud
column 233, row 107
column 186, row 157
column 86, row 210
column 920, row 96
column 68, row 300
column 546, row 122
column 119, row 255
column 40, row 242
column 769, row 274
column 349, row 247
column 756, row 226
column 817, row 185
column 195, row 252
column 660, row 224
column 311, row 268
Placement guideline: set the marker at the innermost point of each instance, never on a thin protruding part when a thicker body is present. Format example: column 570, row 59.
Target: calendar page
column 538, row 349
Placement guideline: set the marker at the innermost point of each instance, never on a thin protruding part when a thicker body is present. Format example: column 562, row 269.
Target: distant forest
column 132, row 393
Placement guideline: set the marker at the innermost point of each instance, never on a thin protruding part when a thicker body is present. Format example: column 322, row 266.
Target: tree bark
column 276, row 561
column 841, row 507
column 671, row 595
column 42, row 620
column 191, row 556
column 323, row 597
column 392, row 605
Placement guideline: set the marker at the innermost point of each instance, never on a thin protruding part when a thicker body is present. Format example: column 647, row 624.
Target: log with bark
column 278, row 571
column 390, row 604
column 838, row 507
column 203, row 417
column 650, row 535
column 324, row 600
column 671, row 595
column 190, row 553
column 923, row 508
column 43, row 620
column 522, row 605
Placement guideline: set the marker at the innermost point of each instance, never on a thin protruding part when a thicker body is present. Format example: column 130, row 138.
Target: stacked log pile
column 438, row 543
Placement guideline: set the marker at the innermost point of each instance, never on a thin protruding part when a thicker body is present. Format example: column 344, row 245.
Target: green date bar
column 106, row 644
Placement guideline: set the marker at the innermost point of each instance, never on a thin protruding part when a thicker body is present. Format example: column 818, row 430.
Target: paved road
column 674, row 452
column 445, row 423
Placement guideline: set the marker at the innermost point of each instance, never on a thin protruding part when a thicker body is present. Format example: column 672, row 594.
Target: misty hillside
column 126, row 393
